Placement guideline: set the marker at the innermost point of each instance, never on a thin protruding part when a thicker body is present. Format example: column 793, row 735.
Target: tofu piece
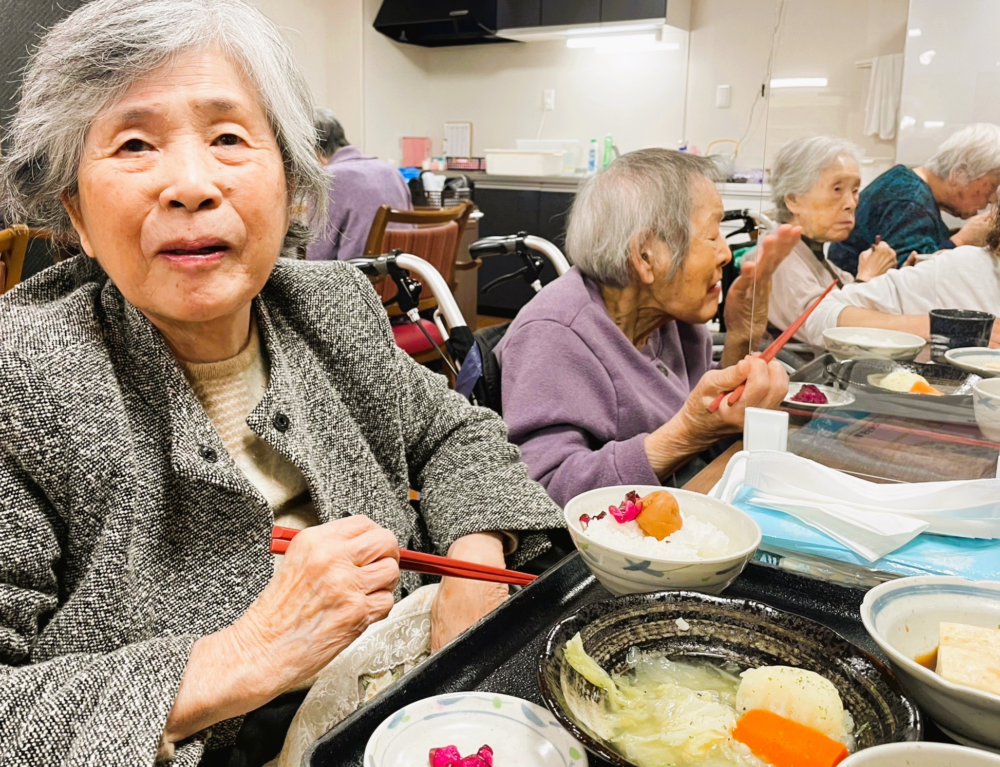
column 970, row 656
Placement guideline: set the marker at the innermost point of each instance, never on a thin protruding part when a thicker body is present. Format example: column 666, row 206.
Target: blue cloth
column 924, row 555
column 900, row 207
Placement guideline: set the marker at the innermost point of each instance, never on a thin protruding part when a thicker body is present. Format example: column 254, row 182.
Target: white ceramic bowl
column 624, row 573
column 863, row 343
column 902, row 616
column 921, row 755
column 986, row 407
column 974, row 359
column 520, row 733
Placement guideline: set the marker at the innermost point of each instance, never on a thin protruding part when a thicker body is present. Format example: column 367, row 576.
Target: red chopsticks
column 426, row 564
column 772, row 351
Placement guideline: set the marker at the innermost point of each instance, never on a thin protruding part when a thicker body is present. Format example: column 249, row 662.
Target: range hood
column 434, row 23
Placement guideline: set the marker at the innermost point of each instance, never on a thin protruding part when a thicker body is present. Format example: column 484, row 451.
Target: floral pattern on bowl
column 520, row 733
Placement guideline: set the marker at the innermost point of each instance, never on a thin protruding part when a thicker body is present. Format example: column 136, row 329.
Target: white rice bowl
column 706, row 554
column 696, row 540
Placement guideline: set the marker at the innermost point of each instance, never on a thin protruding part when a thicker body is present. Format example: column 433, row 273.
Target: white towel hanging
column 884, row 90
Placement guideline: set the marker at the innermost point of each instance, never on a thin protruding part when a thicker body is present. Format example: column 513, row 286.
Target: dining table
column 882, row 444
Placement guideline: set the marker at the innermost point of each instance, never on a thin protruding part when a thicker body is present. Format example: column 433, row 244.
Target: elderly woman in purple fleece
column 608, row 372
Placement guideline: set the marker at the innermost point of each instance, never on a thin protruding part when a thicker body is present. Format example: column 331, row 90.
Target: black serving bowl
column 742, row 631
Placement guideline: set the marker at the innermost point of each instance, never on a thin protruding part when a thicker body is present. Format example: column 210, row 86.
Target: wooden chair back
column 434, row 235
column 13, row 246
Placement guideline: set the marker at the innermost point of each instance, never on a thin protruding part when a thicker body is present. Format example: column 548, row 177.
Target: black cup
column 957, row 329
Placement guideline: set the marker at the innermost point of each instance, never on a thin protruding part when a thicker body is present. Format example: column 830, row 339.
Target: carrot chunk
column 925, row 388
column 785, row 743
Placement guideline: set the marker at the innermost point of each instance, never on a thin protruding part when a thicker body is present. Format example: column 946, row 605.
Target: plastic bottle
column 609, row 150
column 592, row 157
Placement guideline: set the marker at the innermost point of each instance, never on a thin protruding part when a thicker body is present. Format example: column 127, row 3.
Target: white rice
column 696, row 540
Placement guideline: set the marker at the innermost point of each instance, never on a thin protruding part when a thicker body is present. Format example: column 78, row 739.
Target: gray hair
column 88, row 61
column 800, row 163
column 973, row 152
column 642, row 193
column 329, row 133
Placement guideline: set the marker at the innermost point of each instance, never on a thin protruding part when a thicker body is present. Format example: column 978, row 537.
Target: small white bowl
column 863, row 343
column 921, row 755
column 623, row 573
column 986, row 407
column 903, row 617
column 520, row 733
column 974, row 359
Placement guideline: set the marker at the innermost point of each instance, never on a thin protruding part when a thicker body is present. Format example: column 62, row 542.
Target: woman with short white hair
column 169, row 396
column 607, row 374
column 904, row 206
column 815, row 183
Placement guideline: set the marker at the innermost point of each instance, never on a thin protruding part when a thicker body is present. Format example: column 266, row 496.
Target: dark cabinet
column 626, row 10
column 512, row 14
column 509, row 211
column 557, row 12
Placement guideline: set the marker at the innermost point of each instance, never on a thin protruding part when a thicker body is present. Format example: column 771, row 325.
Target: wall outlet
column 722, row 97
column 549, row 99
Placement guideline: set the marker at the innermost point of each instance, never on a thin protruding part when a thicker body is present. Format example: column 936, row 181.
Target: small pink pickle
column 449, row 756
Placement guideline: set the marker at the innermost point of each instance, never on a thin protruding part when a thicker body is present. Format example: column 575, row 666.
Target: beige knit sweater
column 229, row 390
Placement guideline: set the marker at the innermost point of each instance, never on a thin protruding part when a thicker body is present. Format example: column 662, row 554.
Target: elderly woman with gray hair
column 170, row 395
column 607, row 374
column 903, row 206
column 815, row 183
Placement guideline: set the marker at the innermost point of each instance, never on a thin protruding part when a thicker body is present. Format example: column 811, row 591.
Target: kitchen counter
column 485, row 180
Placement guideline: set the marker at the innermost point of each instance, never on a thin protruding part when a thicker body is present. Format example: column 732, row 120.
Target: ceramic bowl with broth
column 903, row 616
column 740, row 633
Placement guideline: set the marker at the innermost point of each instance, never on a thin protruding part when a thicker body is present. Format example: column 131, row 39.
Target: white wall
column 959, row 84
column 384, row 91
column 730, row 44
column 638, row 98
column 326, row 38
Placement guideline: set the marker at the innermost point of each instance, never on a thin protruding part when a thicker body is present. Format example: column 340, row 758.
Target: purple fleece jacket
column 361, row 185
column 579, row 398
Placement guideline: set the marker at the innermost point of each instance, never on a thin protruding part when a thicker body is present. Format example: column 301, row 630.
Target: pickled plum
column 449, row 756
column 810, row 395
column 661, row 515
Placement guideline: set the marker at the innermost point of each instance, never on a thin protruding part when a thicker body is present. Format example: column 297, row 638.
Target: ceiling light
column 614, row 29
column 638, row 47
column 619, row 42
column 799, row 82
column 927, row 57
column 907, row 122
column 914, row 32
column 933, row 123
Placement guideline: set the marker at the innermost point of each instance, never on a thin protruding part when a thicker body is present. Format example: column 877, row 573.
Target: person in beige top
column 815, row 183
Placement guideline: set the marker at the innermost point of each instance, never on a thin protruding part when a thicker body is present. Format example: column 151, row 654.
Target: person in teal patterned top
column 903, row 206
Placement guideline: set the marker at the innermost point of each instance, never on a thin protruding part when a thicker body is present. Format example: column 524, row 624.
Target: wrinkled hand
column 995, row 335
column 459, row 602
column 876, row 261
column 336, row 579
column 747, row 300
column 766, row 387
column 974, row 231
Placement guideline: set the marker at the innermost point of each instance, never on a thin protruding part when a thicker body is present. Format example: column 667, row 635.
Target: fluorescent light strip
column 914, row 32
column 640, row 48
column 933, row 123
column 799, row 82
column 613, row 30
column 621, row 42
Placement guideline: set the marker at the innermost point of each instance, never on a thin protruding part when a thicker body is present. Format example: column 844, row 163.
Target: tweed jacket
column 126, row 530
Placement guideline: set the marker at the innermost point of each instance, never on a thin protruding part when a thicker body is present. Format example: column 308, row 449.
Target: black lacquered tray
column 501, row 653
